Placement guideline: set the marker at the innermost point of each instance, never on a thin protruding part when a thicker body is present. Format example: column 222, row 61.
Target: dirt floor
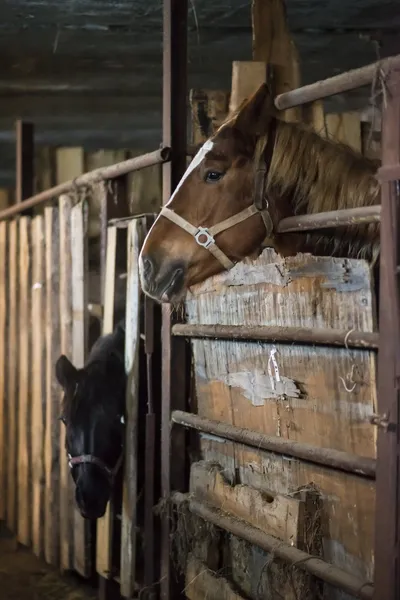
column 24, row 577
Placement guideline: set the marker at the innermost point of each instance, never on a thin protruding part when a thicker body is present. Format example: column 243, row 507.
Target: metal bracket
column 203, row 231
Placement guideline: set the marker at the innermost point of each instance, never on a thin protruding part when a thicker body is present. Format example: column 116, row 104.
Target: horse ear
column 66, row 373
column 254, row 114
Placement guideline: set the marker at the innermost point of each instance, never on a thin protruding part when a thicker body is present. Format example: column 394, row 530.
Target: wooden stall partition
column 79, row 224
column 3, row 368
column 52, row 447
column 24, row 384
column 66, row 284
column 105, row 525
column 12, row 375
column 38, row 375
column 318, row 395
column 136, row 231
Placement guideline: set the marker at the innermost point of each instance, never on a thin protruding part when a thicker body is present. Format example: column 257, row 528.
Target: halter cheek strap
column 205, row 236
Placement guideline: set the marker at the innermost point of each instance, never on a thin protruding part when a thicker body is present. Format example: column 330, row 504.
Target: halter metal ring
column 203, row 231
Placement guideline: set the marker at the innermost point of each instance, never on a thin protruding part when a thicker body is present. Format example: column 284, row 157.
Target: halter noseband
column 73, row 461
column 205, row 236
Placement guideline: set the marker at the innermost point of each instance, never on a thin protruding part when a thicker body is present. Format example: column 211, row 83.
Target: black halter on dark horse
column 94, row 415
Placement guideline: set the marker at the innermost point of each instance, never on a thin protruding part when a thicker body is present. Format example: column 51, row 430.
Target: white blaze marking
column 198, row 158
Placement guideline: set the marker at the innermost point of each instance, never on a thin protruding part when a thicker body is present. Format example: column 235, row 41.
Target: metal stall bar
column 289, row 335
column 387, row 513
column 335, row 85
column 327, row 457
column 127, row 166
column 294, row 556
column 333, row 218
column 174, row 351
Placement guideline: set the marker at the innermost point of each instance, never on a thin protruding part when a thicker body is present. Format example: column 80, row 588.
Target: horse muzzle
column 162, row 282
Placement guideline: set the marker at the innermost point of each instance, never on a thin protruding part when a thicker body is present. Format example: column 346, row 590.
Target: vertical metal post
column 174, row 360
column 387, row 524
column 24, row 184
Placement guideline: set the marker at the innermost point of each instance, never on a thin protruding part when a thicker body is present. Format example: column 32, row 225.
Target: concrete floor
column 24, row 577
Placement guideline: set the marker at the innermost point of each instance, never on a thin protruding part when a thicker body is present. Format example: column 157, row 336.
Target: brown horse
column 253, row 172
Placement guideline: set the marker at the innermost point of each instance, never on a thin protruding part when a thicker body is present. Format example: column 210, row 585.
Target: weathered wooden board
column 24, row 384
column 202, row 583
column 280, row 516
column 12, row 379
column 345, row 128
column 324, row 396
column 66, row 483
column 132, row 342
column 38, row 374
column 105, row 525
column 3, row 367
column 79, row 220
column 52, row 481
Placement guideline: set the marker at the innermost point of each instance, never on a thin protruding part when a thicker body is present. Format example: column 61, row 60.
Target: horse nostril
column 147, row 265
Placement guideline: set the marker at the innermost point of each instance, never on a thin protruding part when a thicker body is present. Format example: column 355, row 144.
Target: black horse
column 94, row 415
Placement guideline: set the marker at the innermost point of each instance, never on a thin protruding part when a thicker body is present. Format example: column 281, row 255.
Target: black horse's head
column 94, row 415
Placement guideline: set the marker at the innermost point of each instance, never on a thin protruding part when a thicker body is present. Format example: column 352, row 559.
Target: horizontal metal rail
column 333, row 218
column 350, row 80
column 289, row 335
column 302, row 560
column 127, row 166
column 327, row 457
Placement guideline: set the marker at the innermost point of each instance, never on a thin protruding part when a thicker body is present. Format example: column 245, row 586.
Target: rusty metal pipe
column 335, row 85
column 288, row 335
column 127, row 166
column 326, row 457
column 294, row 556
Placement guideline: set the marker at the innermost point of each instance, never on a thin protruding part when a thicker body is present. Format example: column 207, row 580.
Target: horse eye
column 213, row 176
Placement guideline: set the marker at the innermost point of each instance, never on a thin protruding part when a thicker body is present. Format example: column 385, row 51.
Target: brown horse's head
column 218, row 185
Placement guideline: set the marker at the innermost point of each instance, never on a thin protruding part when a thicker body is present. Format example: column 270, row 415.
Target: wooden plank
column 143, row 189
column 272, row 44
column 3, row 367
column 202, row 583
column 79, row 216
column 247, row 76
column 38, row 374
column 281, row 516
column 45, row 168
column 345, row 128
column 67, row 498
column 105, row 525
column 12, row 382
column 52, row 448
column 24, row 387
column 324, row 396
column 132, row 343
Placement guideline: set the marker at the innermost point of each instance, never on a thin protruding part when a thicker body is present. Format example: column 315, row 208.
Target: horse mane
column 316, row 174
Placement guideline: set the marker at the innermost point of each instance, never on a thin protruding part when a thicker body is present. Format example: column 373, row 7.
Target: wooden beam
column 3, row 367
column 273, row 45
column 25, row 157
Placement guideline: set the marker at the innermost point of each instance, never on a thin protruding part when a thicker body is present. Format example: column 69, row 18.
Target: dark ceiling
column 89, row 72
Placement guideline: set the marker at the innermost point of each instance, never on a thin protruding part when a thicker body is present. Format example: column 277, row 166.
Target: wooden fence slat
column 105, row 525
column 12, row 398
column 3, row 367
column 38, row 371
column 24, row 387
column 66, row 482
column 132, row 341
column 82, row 541
column 52, row 389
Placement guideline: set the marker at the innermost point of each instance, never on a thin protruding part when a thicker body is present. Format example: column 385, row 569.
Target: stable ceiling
column 89, row 72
